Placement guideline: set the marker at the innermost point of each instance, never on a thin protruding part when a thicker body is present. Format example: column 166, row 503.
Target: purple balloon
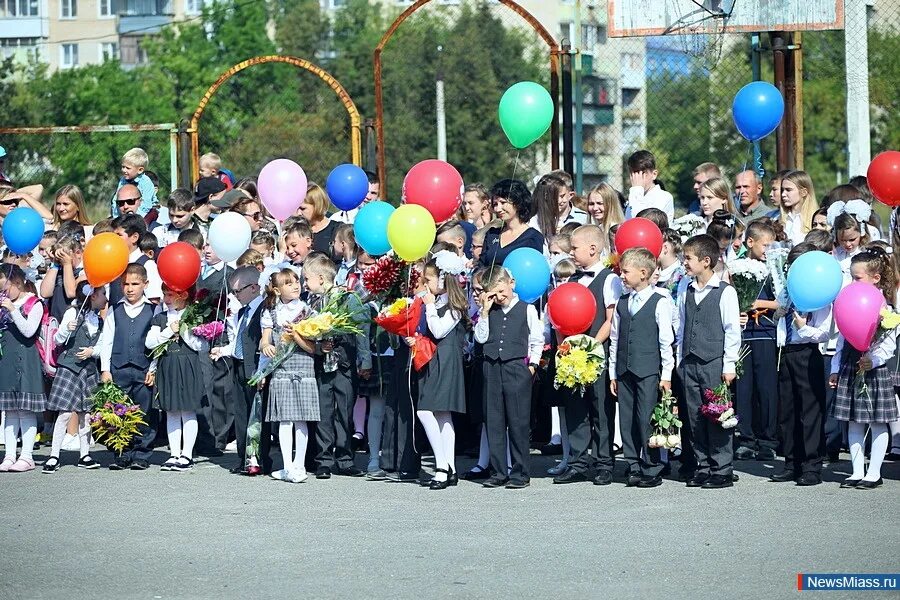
column 282, row 187
column 857, row 312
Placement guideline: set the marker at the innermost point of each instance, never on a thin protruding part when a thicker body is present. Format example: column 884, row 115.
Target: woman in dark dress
column 512, row 204
column 313, row 209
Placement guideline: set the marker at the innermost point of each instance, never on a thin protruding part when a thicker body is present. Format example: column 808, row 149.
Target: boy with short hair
column 640, row 363
column 148, row 245
column 124, row 361
column 645, row 192
column 180, row 205
column 130, row 227
column 211, row 166
column 345, row 249
column 709, row 338
column 134, row 163
column 337, row 387
column 452, row 233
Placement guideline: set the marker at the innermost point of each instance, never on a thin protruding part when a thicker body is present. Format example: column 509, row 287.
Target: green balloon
column 525, row 111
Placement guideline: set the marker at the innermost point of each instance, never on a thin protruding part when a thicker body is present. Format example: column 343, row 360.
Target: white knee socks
column 433, row 432
column 880, row 440
column 84, row 433
column 59, row 433
column 448, row 438
column 293, row 437
column 374, row 429
column 556, row 424
column 28, row 425
column 856, row 436
column 181, row 425
column 173, row 429
column 10, row 429
column 286, row 443
column 301, row 438
column 189, row 430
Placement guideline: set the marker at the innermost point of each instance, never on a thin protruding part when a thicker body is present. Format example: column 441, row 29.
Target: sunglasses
column 9, row 202
column 127, row 201
column 257, row 216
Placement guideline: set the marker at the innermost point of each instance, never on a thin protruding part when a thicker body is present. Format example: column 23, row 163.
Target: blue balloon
column 23, row 229
column 347, row 186
column 370, row 227
column 757, row 110
column 531, row 271
column 814, row 281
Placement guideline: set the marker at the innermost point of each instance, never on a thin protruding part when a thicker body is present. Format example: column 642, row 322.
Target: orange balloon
column 105, row 258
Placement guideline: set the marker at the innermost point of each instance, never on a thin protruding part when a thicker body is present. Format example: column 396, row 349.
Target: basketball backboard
column 635, row 18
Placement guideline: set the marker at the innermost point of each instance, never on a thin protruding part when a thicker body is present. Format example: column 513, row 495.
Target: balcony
column 24, row 27
column 144, row 17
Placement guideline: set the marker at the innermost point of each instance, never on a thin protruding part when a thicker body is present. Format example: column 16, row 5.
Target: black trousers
column 637, row 398
column 801, row 414
column 688, row 458
column 756, row 400
column 242, row 401
column 507, row 392
column 398, row 448
column 590, row 420
column 337, row 395
column 131, row 380
column 218, row 411
column 712, row 444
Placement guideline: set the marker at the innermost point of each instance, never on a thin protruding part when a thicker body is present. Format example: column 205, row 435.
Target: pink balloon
column 857, row 311
column 282, row 187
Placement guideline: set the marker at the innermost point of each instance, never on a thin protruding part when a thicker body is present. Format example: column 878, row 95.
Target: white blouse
column 285, row 312
column 157, row 336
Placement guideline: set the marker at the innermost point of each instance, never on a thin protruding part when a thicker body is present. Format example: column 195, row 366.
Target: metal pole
column 554, row 93
column 370, row 146
column 184, row 156
column 579, row 104
column 439, row 106
column 755, row 67
column 568, row 157
column 856, row 74
column 782, row 134
column 796, row 87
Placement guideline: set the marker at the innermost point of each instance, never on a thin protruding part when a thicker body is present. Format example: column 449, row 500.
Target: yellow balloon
column 411, row 232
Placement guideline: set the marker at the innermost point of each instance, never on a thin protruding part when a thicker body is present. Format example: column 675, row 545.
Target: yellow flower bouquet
column 340, row 316
column 579, row 360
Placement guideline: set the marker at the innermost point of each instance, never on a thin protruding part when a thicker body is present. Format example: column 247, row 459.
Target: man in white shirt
column 645, row 192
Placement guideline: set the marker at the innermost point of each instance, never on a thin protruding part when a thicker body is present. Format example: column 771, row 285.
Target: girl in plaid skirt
column 872, row 406
column 76, row 373
column 293, row 392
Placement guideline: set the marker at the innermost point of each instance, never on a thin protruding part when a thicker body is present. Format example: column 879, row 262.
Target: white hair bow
column 858, row 209
column 450, row 263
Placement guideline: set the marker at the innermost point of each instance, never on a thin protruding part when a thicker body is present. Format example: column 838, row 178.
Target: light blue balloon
column 23, row 229
column 814, row 281
column 757, row 110
column 531, row 272
column 370, row 227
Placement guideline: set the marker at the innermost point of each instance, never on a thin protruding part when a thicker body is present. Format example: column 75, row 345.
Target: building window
column 19, row 46
column 566, row 33
column 18, row 8
column 131, row 52
column 68, row 56
column 109, row 51
column 592, row 36
column 68, row 9
column 193, row 7
column 105, row 9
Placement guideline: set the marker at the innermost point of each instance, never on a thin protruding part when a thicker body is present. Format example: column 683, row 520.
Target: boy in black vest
column 130, row 227
column 510, row 331
column 244, row 333
column 122, row 352
column 640, row 363
column 709, row 339
column 590, row 419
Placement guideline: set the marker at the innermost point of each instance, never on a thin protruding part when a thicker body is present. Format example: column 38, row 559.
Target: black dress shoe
column 518, row 484
column 765, row 453
column 698, row 480
column 850, row 482
column 323, row 473
column 666, row 470
column 440, row 485
column 834, row 457
column 495, row 481
column 239, row 470
column 869, row 485
column 633, row 479
column 603, row 477
column 745, row 453
column 473, row 475
column 121, row 464
column 140, row 465
column 718, row 481
column 785, row 475
column 650, row 482
column 735, row 477
column 350, row 472
column 809, row 479
column 571, row 476
column 404, row 477
column 453, row 479
column 551, row 449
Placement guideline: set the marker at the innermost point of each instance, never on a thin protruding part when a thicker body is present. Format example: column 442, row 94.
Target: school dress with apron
column 21, row 378
column 442, row 385
column 179, row 382
column 293, row 391
column 76, row 379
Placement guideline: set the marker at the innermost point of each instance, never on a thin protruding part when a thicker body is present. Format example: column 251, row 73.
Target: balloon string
column 516, row 164
column 69, row 333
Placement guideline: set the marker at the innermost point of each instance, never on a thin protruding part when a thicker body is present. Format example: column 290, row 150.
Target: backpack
column 46, row 340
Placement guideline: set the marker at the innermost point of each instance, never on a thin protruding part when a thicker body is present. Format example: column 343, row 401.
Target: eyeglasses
column 239, row 290
column 257, row 216
column 127, row 201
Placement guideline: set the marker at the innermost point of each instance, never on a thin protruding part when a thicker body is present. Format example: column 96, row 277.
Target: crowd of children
column 667, row 323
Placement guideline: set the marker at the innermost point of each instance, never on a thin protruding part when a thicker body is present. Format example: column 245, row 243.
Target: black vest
column 508, row 333
column 116, row 290
column 59, row 302
column 215, row 281
column 596, row 287
column 161, row 320
column 637, row 351
column 130, row 337
column 79, row 339
column 704, row 336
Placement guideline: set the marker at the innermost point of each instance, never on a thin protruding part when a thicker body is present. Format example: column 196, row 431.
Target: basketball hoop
column 701, row 33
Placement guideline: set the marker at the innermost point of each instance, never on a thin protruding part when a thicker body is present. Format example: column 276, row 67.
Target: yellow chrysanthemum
column 889, row 319
column 398, row 306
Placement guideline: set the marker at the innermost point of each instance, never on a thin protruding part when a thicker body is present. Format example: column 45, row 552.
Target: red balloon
column 572, row 308
column 639, row 233
column 179, row 266
column 436, row 186
column 884, row 177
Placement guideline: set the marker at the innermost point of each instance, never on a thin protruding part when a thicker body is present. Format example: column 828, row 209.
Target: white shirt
column 285, row 312
column 440, row 327
column 109, row 329
column 575, row 215
column 656, row 197
column 344, row 216
column 612, row 287
column 844, row 258
column 535, row 330
column 793, row 228
column 232, row 326
column 880, row 353
column 166, row 234
column 91, row 323
column 158, row 336
column 663, row 315
column 816, row 331
column 673, row 304
column 728, row 310
column 154, row 281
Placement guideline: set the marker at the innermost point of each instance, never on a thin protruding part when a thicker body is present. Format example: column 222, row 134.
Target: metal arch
column 554, row 81
column 334, row 84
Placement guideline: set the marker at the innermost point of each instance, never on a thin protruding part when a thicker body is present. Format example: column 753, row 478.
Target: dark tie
column 579, row 274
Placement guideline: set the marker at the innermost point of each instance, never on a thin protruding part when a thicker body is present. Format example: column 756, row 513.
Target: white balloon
column 229, row 236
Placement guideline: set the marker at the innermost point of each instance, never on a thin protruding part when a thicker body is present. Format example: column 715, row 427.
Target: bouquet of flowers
column 888, row 321
column 389, row 279
column 254, row 426
column 209, row 331
column 718, row 408
column 776, row 262
column 401, row 317
column 748, row 277
column 195, row 318
column 743, row 353
column 284, row 348
column 579, row 360
column 612, row 262
column 336, row 318
column 688, row 226
column 665, row 423
column 115, row 418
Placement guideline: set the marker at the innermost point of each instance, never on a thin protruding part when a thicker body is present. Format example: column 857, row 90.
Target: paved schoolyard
column 208, row 534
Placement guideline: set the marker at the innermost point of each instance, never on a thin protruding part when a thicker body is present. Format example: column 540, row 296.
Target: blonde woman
column 314, row 209
column 715, row 194
column 69, row 206
column 604, row 206
column 477, row 205
column 798, row 205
